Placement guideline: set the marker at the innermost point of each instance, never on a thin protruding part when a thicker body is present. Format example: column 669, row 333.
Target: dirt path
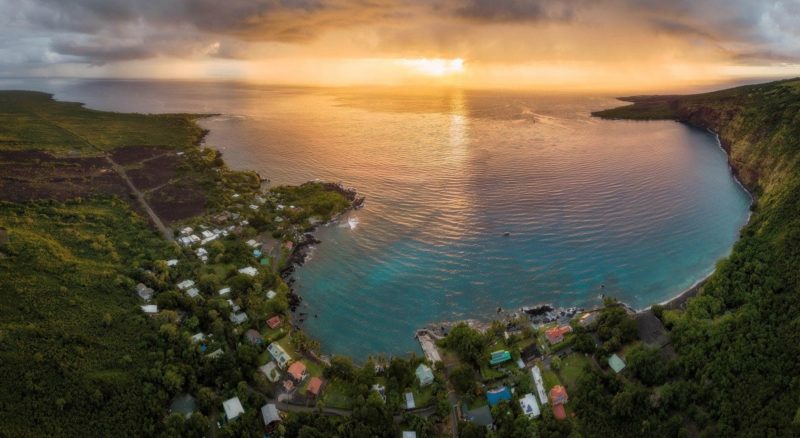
column 166, row 232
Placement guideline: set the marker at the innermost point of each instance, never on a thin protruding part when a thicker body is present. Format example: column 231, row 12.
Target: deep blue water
column 644, row 208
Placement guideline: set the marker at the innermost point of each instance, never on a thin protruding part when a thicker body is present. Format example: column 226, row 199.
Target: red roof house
column 558, row 395
column 559, row 412
column 314, row 386
column 556, row 334
column 288, row 386
column 275, row 322
column 297, row 370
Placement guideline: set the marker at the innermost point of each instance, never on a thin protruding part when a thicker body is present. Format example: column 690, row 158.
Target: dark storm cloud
column 100, row 31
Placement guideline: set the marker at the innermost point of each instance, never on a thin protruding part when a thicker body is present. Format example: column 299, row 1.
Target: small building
column 499, row 357
column 238, row 318
column 314, row 387
column 216, row 353
column 495, row 396
column 537, row 380
column 274, row 322
column 616, row 363
column 233, row 408
column 172, row 262
column 410, row 403
column 271, row 294
column 297, row 371
column 144, row 292
column 270, row 369
column 529, row 406
column 409, row 434
column 269, row 414
column 279, row 354
column 235, row 307
column 558, row 395
column 150, row 309
column 424, row 375
column 254, row 337
column 288, row 385
column 251, row 243
column 556, row 334
column 530, row 353
column 193, row 292
column 185, row 284
column 224, row 291
column 559, row 412
column 251, row 271
column 198, row 337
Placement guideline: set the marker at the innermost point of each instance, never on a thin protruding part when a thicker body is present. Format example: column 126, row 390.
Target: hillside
column 738, row 341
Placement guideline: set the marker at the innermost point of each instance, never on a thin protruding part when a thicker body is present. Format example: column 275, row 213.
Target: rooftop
column 233, row 408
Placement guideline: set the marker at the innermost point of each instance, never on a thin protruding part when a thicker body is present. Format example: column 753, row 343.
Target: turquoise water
column 643, row 208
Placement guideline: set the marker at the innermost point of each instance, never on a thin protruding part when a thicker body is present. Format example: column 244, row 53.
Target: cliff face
column 740, row 338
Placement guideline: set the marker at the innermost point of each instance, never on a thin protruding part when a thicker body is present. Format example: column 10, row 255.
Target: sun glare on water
column 434, row 66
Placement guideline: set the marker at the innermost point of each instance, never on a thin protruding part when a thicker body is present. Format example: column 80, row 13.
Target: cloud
column 98, row 32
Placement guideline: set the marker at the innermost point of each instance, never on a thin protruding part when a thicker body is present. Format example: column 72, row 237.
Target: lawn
column 423, row 396
column 550, row 379
column 571, row 368
column 336, row 396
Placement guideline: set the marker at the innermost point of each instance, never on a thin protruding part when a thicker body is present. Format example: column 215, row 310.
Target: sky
column 525, row 44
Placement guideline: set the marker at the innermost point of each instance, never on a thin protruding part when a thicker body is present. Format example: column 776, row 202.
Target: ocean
column 636, row 210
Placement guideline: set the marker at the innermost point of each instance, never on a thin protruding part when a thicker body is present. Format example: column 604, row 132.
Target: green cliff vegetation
column 737, row 370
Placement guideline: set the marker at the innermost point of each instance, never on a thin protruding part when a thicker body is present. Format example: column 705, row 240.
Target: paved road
column 166, row 232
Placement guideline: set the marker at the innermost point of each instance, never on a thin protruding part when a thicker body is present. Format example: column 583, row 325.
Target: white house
column 529, row 406
column 193, row 292
column 537, row 379
column 150, row 309
column 144, row 292
column 279, row 354
column 269, row 413
column 172, row 262
column 233, row 305
column 238, row 318
column 271, row 294
column 233, row 408
column 197, row 337
column 410, row 404
column 224, row 291
column 185, row 284
column 251, row 271
column 270, row 369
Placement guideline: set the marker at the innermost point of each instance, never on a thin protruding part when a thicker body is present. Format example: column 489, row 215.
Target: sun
column 434, row 66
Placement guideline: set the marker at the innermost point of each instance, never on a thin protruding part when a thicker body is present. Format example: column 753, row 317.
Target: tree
column 466, row 342
column 463, row 379
column 647, row 365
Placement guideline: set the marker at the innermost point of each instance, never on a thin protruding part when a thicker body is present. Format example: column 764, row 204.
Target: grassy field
column 572, row 367
column 72, row 338
column 31, row 120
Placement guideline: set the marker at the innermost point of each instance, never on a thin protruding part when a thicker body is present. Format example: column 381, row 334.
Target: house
column 559, row 412
column 297, row 371
column 185, row 284
column 270, row 370
column 150, row 309
column 202, row 254
column 537, row 380
column 556, row 334
column 495, row 396
column 197, row 337
column 279, row 354
column 269, row 414
column 238, row 318
column 288, row 385
column 587, row 318
column 424, row 375
column 186, row 231
column 251, row 243
column 274, row 322
column 144, row 292
column 529, row 406
column 381, row 390
column 254, row 337
column 172, row 262
column 314, row 387
column 193, row 292
column 409, row 434
column 216, row 353
column 235, row 307
column 481, row 416
column 224, row 291
column 616, row 363
column 410, row 403
column 233, row 408
column 251, row 271
column 530, row 353
column 183, row 404
column 558, row 395
column 499, row 357
column 271, row 294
